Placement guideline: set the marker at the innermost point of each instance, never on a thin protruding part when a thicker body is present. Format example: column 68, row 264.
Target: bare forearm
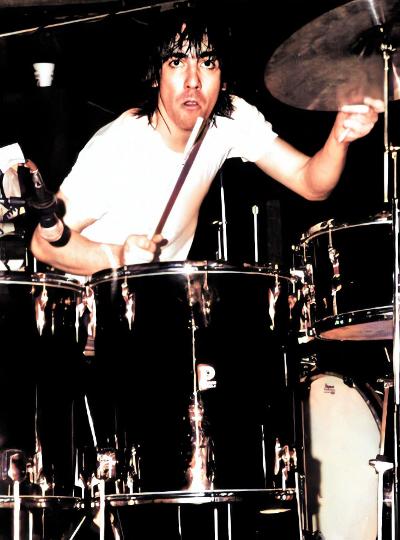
column 80, row 256
column 322, row 172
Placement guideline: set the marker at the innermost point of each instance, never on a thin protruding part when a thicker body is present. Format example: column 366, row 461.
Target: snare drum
column 349, row 268
column 184, row 350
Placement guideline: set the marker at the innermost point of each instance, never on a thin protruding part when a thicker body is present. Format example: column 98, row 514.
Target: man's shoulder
column 242, row 107
column 129, row 118
column 127, row 123
column 242, row 111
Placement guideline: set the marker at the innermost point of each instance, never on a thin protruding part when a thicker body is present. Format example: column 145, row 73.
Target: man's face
column 189, row 87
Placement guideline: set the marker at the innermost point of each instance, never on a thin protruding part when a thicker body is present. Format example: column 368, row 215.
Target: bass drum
column 341, row 435
column 349, row 274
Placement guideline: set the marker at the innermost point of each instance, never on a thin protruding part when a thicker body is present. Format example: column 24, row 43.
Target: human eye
column 209, row 62
column 175, row 62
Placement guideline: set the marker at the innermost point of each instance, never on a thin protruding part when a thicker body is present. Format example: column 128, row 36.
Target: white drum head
column 342, row 487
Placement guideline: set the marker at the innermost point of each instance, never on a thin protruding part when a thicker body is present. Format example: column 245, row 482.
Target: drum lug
column 130, row 302
column 285, row 464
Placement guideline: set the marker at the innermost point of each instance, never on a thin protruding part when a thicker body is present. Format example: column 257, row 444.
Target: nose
column 192, row 76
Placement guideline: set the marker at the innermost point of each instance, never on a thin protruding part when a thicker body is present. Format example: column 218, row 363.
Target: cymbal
column 337, row 58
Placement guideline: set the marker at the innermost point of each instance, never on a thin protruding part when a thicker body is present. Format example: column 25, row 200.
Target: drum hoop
column 42, row 501
column 356, row 387
column 330, row 225
column 378, row 311
column 198, row 497
column 38, row 278
column 181, row 267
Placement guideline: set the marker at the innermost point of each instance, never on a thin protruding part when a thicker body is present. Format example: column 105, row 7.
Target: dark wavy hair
column 167, row 38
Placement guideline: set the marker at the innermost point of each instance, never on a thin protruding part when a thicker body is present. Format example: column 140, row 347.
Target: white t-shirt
column 124, row 177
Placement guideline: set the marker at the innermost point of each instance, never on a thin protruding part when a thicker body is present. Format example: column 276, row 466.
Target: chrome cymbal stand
column 396, row 352
column 382, row 464
column 387, row 51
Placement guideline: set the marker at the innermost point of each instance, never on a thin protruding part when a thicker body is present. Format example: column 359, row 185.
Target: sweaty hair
column 168, row 39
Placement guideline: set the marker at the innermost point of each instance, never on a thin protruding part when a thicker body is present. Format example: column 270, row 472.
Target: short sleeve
column 87, row 186
column 251, row 135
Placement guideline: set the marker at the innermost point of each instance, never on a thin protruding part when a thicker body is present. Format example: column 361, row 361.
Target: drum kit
column 174, row 408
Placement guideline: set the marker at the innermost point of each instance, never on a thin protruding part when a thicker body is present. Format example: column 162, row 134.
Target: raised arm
column 315, row 177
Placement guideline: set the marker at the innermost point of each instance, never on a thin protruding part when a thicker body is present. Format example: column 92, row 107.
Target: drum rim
column 42, row 501
column 198, row 497
column 39, row 278
column 188, row 267
column 360, row 316
column 326, row 226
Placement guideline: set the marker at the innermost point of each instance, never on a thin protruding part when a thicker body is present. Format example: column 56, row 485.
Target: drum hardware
column 222, row 251
column 86, row 320
column 223, row 220
column 396, row 357
column 285, row 464
column 382, row 463
column 254, row 210
column 302, row 299
column 218, row 253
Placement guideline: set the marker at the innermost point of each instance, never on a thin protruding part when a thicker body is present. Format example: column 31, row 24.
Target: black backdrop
column 98, row 75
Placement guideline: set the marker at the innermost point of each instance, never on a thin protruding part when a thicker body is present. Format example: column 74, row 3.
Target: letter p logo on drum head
column 205, row 376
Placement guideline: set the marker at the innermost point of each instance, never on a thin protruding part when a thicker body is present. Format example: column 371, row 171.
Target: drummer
column 119, row 186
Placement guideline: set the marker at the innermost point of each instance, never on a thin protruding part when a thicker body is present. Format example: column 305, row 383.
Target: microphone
column 53, row 229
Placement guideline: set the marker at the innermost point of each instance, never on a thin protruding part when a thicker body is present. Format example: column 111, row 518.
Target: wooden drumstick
column 196, row 138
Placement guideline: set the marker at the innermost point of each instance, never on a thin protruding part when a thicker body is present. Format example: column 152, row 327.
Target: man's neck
column 173, row 137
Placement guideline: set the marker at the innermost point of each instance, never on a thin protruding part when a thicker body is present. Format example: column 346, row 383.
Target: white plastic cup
column 44, row 72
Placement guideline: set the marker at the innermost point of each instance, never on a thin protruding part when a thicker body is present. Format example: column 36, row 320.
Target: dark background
column 99, row 65
column 98, row 72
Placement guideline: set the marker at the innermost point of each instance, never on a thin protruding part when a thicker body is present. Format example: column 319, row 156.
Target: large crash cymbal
column 337, row 58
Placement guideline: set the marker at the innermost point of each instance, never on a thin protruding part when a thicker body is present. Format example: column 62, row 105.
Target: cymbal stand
column 382, row 464
column 387, row 51
column 396, row 357
column 16, row 511
column 386, row 54
column 223, row 219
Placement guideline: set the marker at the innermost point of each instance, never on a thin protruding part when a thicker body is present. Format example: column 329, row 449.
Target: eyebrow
column 203, row 54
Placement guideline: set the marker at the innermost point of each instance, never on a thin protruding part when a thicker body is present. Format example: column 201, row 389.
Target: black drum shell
column 357, row 303
column 188, row 314
column 40, row 358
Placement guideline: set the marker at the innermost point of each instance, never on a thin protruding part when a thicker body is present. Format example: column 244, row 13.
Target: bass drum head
column 341, row 437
